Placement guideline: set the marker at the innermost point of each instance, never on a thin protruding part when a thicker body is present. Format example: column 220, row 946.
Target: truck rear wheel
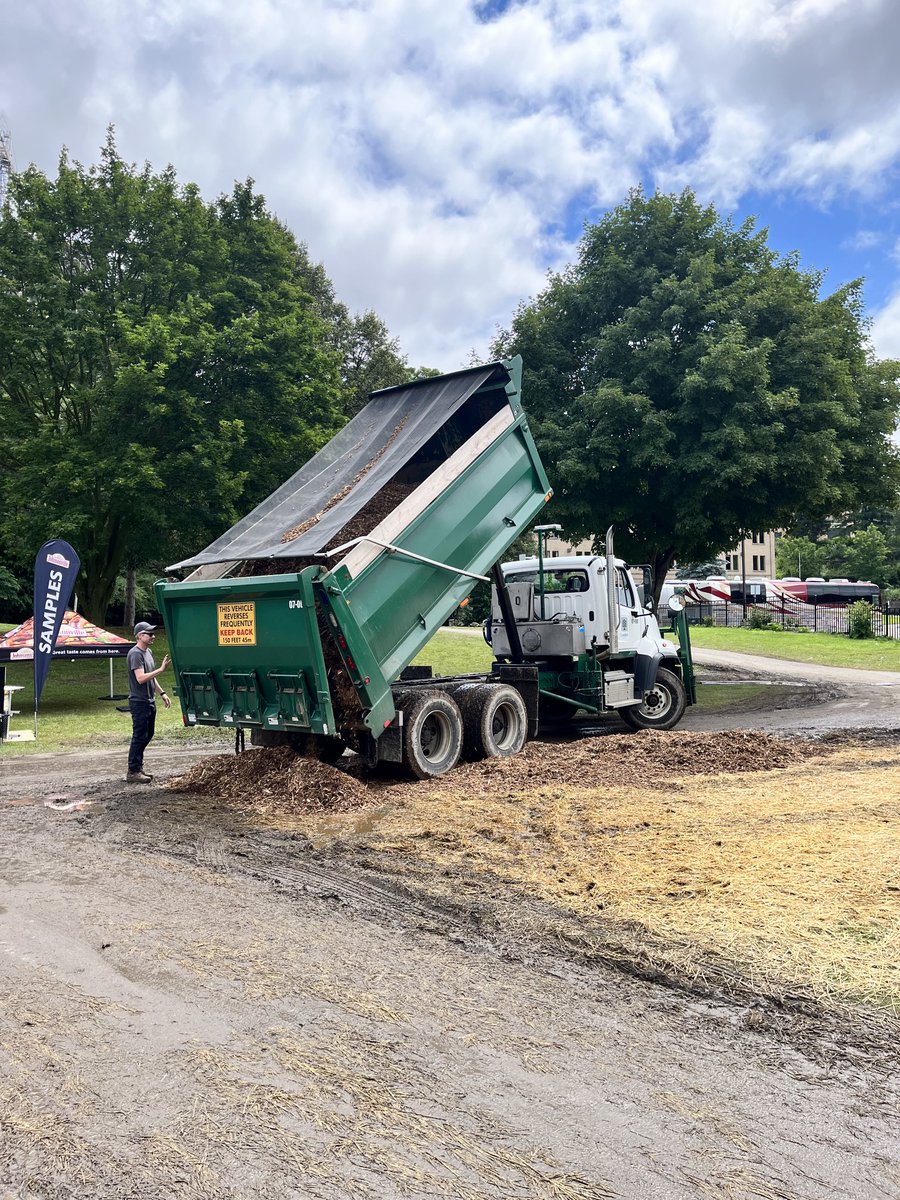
column 432, row 733
column 495, row 721
column 663, row 706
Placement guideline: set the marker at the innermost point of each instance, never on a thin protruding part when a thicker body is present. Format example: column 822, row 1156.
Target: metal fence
column 811, row 618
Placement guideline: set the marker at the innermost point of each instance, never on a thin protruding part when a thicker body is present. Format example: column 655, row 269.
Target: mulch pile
column 278, row 780
column 272, row 781
column 649, row 758
column 372, row 514
column 380, row 506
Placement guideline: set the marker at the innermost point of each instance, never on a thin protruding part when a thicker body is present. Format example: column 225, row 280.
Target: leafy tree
column 863, row 554
column 370, row 358
column 800, row 556
column 687, row 384
column 162, row 365
column 701, row 570
column 10, row 588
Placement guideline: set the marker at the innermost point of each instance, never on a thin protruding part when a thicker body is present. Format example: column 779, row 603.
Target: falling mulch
column 272, row 781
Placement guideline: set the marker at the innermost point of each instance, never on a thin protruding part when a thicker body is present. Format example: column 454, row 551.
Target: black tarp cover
column 395, row 424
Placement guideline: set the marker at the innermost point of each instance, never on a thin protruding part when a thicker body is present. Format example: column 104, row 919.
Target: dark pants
column 143, row 726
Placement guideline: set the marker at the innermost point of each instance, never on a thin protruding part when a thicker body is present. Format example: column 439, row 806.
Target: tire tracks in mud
column 513, row 928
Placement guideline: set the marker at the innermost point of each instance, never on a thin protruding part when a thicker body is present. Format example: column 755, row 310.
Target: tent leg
column 110, row 680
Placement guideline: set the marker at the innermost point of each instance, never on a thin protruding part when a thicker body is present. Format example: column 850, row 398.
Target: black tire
column 495, row 720
column 663, row 705
column 432, row 733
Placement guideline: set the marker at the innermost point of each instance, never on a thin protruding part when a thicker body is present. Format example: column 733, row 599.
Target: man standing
column 142, row 689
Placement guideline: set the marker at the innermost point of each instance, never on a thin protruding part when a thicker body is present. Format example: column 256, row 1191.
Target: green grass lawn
column 72, row 715
column 828, row 649
column 456, row 652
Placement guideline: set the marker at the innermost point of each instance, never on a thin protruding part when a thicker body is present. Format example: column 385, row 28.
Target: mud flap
column 646, row 668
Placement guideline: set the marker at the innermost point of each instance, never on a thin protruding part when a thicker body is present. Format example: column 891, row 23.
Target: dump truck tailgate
column 248, row 652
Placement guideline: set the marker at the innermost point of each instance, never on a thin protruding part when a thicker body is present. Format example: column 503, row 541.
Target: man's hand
column 166, row 701
column 164, row 663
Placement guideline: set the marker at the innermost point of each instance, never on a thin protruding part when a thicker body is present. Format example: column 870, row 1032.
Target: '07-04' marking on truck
column 295, row 603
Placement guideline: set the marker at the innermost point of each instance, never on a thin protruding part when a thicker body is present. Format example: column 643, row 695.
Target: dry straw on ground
column 793, row 878
column 771, row 859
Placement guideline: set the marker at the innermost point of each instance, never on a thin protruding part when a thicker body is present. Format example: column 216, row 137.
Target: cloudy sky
column 438, row 156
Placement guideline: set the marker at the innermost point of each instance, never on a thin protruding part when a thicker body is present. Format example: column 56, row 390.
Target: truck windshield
column 560, row 580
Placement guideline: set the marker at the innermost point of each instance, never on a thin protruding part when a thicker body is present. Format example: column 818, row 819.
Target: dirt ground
column 204, row 1002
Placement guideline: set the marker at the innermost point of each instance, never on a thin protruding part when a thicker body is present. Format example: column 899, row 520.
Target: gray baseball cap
column 143, row 627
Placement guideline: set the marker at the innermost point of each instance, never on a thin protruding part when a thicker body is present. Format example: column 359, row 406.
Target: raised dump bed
column 300, row 618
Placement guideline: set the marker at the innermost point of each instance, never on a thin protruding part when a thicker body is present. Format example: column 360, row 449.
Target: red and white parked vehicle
column 715, row 589
column 835, row 593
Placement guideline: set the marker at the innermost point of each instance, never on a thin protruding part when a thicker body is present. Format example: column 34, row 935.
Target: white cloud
column 432, row 161
column 863, row 239
column 885, row 331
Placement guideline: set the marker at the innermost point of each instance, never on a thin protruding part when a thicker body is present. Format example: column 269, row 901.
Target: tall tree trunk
column 129, row 597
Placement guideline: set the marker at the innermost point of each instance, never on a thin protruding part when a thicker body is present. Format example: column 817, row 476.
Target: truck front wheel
column 432, row 734
column 495, row 721
column 663, row 706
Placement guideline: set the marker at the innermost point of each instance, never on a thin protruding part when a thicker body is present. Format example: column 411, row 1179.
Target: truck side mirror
column 676, row 605
column 649, row 604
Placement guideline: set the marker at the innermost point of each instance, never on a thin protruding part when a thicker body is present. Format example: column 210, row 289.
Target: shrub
column 859, row 619
column 760, row 618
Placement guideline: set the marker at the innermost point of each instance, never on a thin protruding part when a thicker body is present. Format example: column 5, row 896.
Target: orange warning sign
column 237, row 624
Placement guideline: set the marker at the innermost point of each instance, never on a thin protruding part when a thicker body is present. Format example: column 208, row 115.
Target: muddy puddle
column 324, row 831
column 64, row 803
column 753, row 695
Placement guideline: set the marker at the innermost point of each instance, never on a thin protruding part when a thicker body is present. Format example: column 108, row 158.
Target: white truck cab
column 599, row 646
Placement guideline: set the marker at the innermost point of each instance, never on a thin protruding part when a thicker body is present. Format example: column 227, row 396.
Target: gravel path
column 785, row 668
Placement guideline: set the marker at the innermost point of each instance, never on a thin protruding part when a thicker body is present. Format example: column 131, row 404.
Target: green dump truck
column 301, row 621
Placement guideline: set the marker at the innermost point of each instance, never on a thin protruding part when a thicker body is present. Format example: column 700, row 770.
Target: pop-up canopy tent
column 77, row 638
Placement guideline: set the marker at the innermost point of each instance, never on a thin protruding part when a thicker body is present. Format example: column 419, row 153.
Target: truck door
column 629, row 611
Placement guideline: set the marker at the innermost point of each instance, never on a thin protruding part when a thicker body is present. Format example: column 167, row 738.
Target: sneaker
column 137, row 777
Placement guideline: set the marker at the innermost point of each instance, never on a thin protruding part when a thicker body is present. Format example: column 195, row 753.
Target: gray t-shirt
column 142, row 659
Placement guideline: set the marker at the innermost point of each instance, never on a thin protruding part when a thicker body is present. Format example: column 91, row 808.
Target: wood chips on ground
column 650, row 757
column 787, row 880
column 774, row 859
column 272, row 781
